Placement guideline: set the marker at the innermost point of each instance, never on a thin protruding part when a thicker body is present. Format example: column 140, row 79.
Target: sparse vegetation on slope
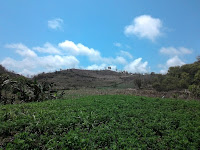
column 77, row 79
column 101, row 122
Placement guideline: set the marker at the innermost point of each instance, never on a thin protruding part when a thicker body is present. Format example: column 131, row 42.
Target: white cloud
column 144, row 26
column 78, row 49
column 52, row 63
column 55, row 23
column 171, row 51
column 174, row 61
column 62, row 56
column 117, row 44
column 88, row 51
column 26, row 72
column 137, row 66
column 126, row 54
column 171, row 62
column 46, row 64
column 94, row 55
column 22, row 50
column 101, row 67
column 31, row 63
column 174, row 54
column 47, row 48
column 163, row 71
column 97, row 67
column 12, row 64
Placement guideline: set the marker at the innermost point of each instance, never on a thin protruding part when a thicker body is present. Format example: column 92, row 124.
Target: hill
column 181, row 81
column 76, row 78
column 3, row 70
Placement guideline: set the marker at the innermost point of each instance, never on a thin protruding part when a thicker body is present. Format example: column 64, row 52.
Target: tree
column 174, row 71
column 195, row 90
column 195, row 87
column 170, row 83
column 197, row 78
column 138, row 82
column 157, row 86
column 184, row 80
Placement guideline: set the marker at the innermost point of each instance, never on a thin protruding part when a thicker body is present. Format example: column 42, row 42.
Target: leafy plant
column 101, row 122
column 25, row 90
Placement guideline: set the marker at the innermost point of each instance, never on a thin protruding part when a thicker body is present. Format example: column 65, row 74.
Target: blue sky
column 136, row 36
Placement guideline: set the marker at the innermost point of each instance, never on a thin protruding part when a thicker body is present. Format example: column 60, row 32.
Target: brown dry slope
column 76, row 79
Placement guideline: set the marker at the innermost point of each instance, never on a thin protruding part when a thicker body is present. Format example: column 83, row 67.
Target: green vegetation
column 178, row 78
column 21, row 89
column 101, row 122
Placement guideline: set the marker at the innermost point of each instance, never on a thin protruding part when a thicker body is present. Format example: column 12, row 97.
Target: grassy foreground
column 101, row 122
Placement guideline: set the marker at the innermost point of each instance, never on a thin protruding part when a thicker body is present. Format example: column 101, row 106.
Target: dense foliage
column 101, row 122
column 24, row 90
column 180, row 77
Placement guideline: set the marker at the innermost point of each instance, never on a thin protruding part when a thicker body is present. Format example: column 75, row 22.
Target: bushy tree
column 138, row 82
column 195, row 87
column 195, row 90
column 197, row 78
column 180, row 77
column 174, row 71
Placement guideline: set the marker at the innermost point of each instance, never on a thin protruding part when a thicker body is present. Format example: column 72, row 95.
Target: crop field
column 101, row 122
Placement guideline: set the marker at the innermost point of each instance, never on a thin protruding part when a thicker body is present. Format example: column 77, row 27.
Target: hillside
column 3, row 70
column 75, row 79
column 180, row 82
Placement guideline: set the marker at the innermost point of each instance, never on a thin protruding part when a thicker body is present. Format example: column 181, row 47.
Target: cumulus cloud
column 55, row 24
column 174, row 55
column 26, row 72
column 94, row 55
column 22, row 50
column 171, row 62
column 52, row 63
column 144, row 26
column 46, row 64
column 171, row 51
column 32, row 63
column 47, row 48
column 62, row 56
column 96, row 67
column 174, row 61
column 137, row 66
column 16, row 65
column 78, row 49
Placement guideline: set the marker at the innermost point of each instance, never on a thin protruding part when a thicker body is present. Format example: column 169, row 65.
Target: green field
column 101, row 122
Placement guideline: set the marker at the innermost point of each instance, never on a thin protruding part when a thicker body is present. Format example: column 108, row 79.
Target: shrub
column 195, row 90
column 25, row 90
column 138, row 82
